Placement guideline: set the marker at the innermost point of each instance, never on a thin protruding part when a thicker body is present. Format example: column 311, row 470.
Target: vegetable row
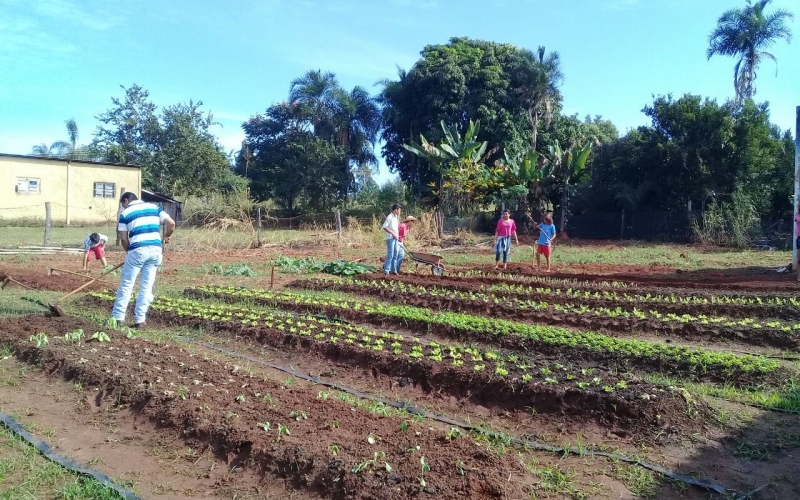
column 488, row 374
column 771, row 333
column 542, row 339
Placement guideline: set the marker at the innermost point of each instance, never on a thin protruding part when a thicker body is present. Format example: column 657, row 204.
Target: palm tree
column 356, row 121
column 536, row 79
column 746, row 34
column 317, row 90
column 61, row 149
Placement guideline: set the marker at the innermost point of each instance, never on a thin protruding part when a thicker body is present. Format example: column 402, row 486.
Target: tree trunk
column 564, row 201
column 533, row 118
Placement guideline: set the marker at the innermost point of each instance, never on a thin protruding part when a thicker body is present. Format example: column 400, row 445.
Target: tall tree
column 289, row 163
column 536, row 79
column 454, row 82
column 356, row 121
column 747, row 34
column 318, row 91
column 176, row 151
column 64, row 149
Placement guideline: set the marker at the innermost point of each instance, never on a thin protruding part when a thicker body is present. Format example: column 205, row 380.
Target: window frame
column 27, row 181
column 105, row 189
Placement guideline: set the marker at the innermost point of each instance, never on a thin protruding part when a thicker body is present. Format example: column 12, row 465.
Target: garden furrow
column 489, row 378
column 785, row 307
column 768, row 334
column 550, row 342
column 265, row 424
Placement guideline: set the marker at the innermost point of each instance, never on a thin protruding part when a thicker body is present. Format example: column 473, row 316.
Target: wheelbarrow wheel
column 437, row 270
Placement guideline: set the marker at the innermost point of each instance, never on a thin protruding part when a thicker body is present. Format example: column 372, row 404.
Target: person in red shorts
column 547, row 233
column 95, row 245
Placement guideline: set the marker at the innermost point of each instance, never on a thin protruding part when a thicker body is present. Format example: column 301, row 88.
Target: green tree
column 535, row 79
column 67, row 149
column 356, row 121
column 290, row 164
column 318, row 91
column 454, row 82
column 694, row 150
column 349, row 120
column 746, row 34
column 464, row 179
column 189, row 160
column 567, row 166
column 130, row 132
column 177, row 153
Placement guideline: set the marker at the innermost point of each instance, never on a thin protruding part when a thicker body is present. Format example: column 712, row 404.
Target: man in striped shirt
column 140, row 234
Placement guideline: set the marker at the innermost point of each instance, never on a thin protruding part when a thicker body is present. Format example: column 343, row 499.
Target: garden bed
column 553, row 385
column 313, row 443
column 774, row 334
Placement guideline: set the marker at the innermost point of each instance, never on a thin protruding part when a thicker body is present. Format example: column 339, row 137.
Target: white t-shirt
column 392, row 223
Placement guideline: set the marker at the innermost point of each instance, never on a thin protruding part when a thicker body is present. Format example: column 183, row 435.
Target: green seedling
column 100, row 337
column 40, row 339
column 74, row 336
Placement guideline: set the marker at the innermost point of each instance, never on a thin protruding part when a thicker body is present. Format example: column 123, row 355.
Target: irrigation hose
column 66, row 462
column 525, row 443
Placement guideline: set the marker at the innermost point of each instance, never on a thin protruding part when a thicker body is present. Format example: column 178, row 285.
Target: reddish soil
column 117, row 442
column 223, row 406
column 38, row 279
column 765, row 336
column 623, row 409
column 664, row 276
column 621, row 361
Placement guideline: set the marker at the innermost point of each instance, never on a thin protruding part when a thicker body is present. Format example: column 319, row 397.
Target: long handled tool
column 54, row 306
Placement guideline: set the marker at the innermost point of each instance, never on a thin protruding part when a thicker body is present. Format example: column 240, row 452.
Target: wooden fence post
column 258, row 225
column 47, row 222
column 622, row 226
column 119, row 211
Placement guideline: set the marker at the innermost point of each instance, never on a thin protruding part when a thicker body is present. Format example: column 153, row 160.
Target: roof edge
column 54, row 158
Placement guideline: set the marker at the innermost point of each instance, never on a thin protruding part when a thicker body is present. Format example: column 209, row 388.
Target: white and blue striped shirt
column 142, row 221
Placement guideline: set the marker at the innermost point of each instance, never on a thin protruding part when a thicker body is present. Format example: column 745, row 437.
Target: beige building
column 79, row 192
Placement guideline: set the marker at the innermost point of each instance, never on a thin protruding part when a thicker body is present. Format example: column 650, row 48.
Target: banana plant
column 566, row 165
column 454, row 147
column 460, row 161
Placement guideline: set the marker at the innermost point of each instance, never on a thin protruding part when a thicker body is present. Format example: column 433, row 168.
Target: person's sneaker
column 140, row 326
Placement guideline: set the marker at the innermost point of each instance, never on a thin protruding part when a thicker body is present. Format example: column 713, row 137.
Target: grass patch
column 25, row 474
column 14, row 302
column 787, row 398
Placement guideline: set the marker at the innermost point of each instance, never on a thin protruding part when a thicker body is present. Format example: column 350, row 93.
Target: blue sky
column 63, row 59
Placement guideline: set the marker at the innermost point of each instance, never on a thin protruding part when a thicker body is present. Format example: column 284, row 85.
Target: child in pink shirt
column 506, row 228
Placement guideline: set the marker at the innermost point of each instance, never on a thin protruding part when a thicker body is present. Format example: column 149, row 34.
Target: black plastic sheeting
column 63, row 461
column 533, row 445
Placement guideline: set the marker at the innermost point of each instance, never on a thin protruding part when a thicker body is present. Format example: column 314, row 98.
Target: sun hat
column 409, row 219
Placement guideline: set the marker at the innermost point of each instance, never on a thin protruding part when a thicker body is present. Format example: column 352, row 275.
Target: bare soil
column 223, row 406
column 755, row 279
column 38, row 279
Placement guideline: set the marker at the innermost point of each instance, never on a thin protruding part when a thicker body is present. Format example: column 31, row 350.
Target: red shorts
column 98, row 252
column 544, row 250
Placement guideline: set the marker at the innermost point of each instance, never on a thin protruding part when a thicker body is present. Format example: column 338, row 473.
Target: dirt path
column 80, row 423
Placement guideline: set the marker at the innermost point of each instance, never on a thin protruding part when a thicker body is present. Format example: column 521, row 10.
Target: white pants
column 145, row 260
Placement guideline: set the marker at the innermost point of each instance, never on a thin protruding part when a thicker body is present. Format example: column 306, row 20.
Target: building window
column 28, row 185
column 104, row 190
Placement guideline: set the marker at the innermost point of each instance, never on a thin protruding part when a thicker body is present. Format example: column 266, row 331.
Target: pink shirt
column 505, row 227
column 402, row 231
column 797, row 221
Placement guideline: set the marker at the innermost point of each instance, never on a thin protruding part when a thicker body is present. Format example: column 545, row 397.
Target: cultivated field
column 631, row 371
